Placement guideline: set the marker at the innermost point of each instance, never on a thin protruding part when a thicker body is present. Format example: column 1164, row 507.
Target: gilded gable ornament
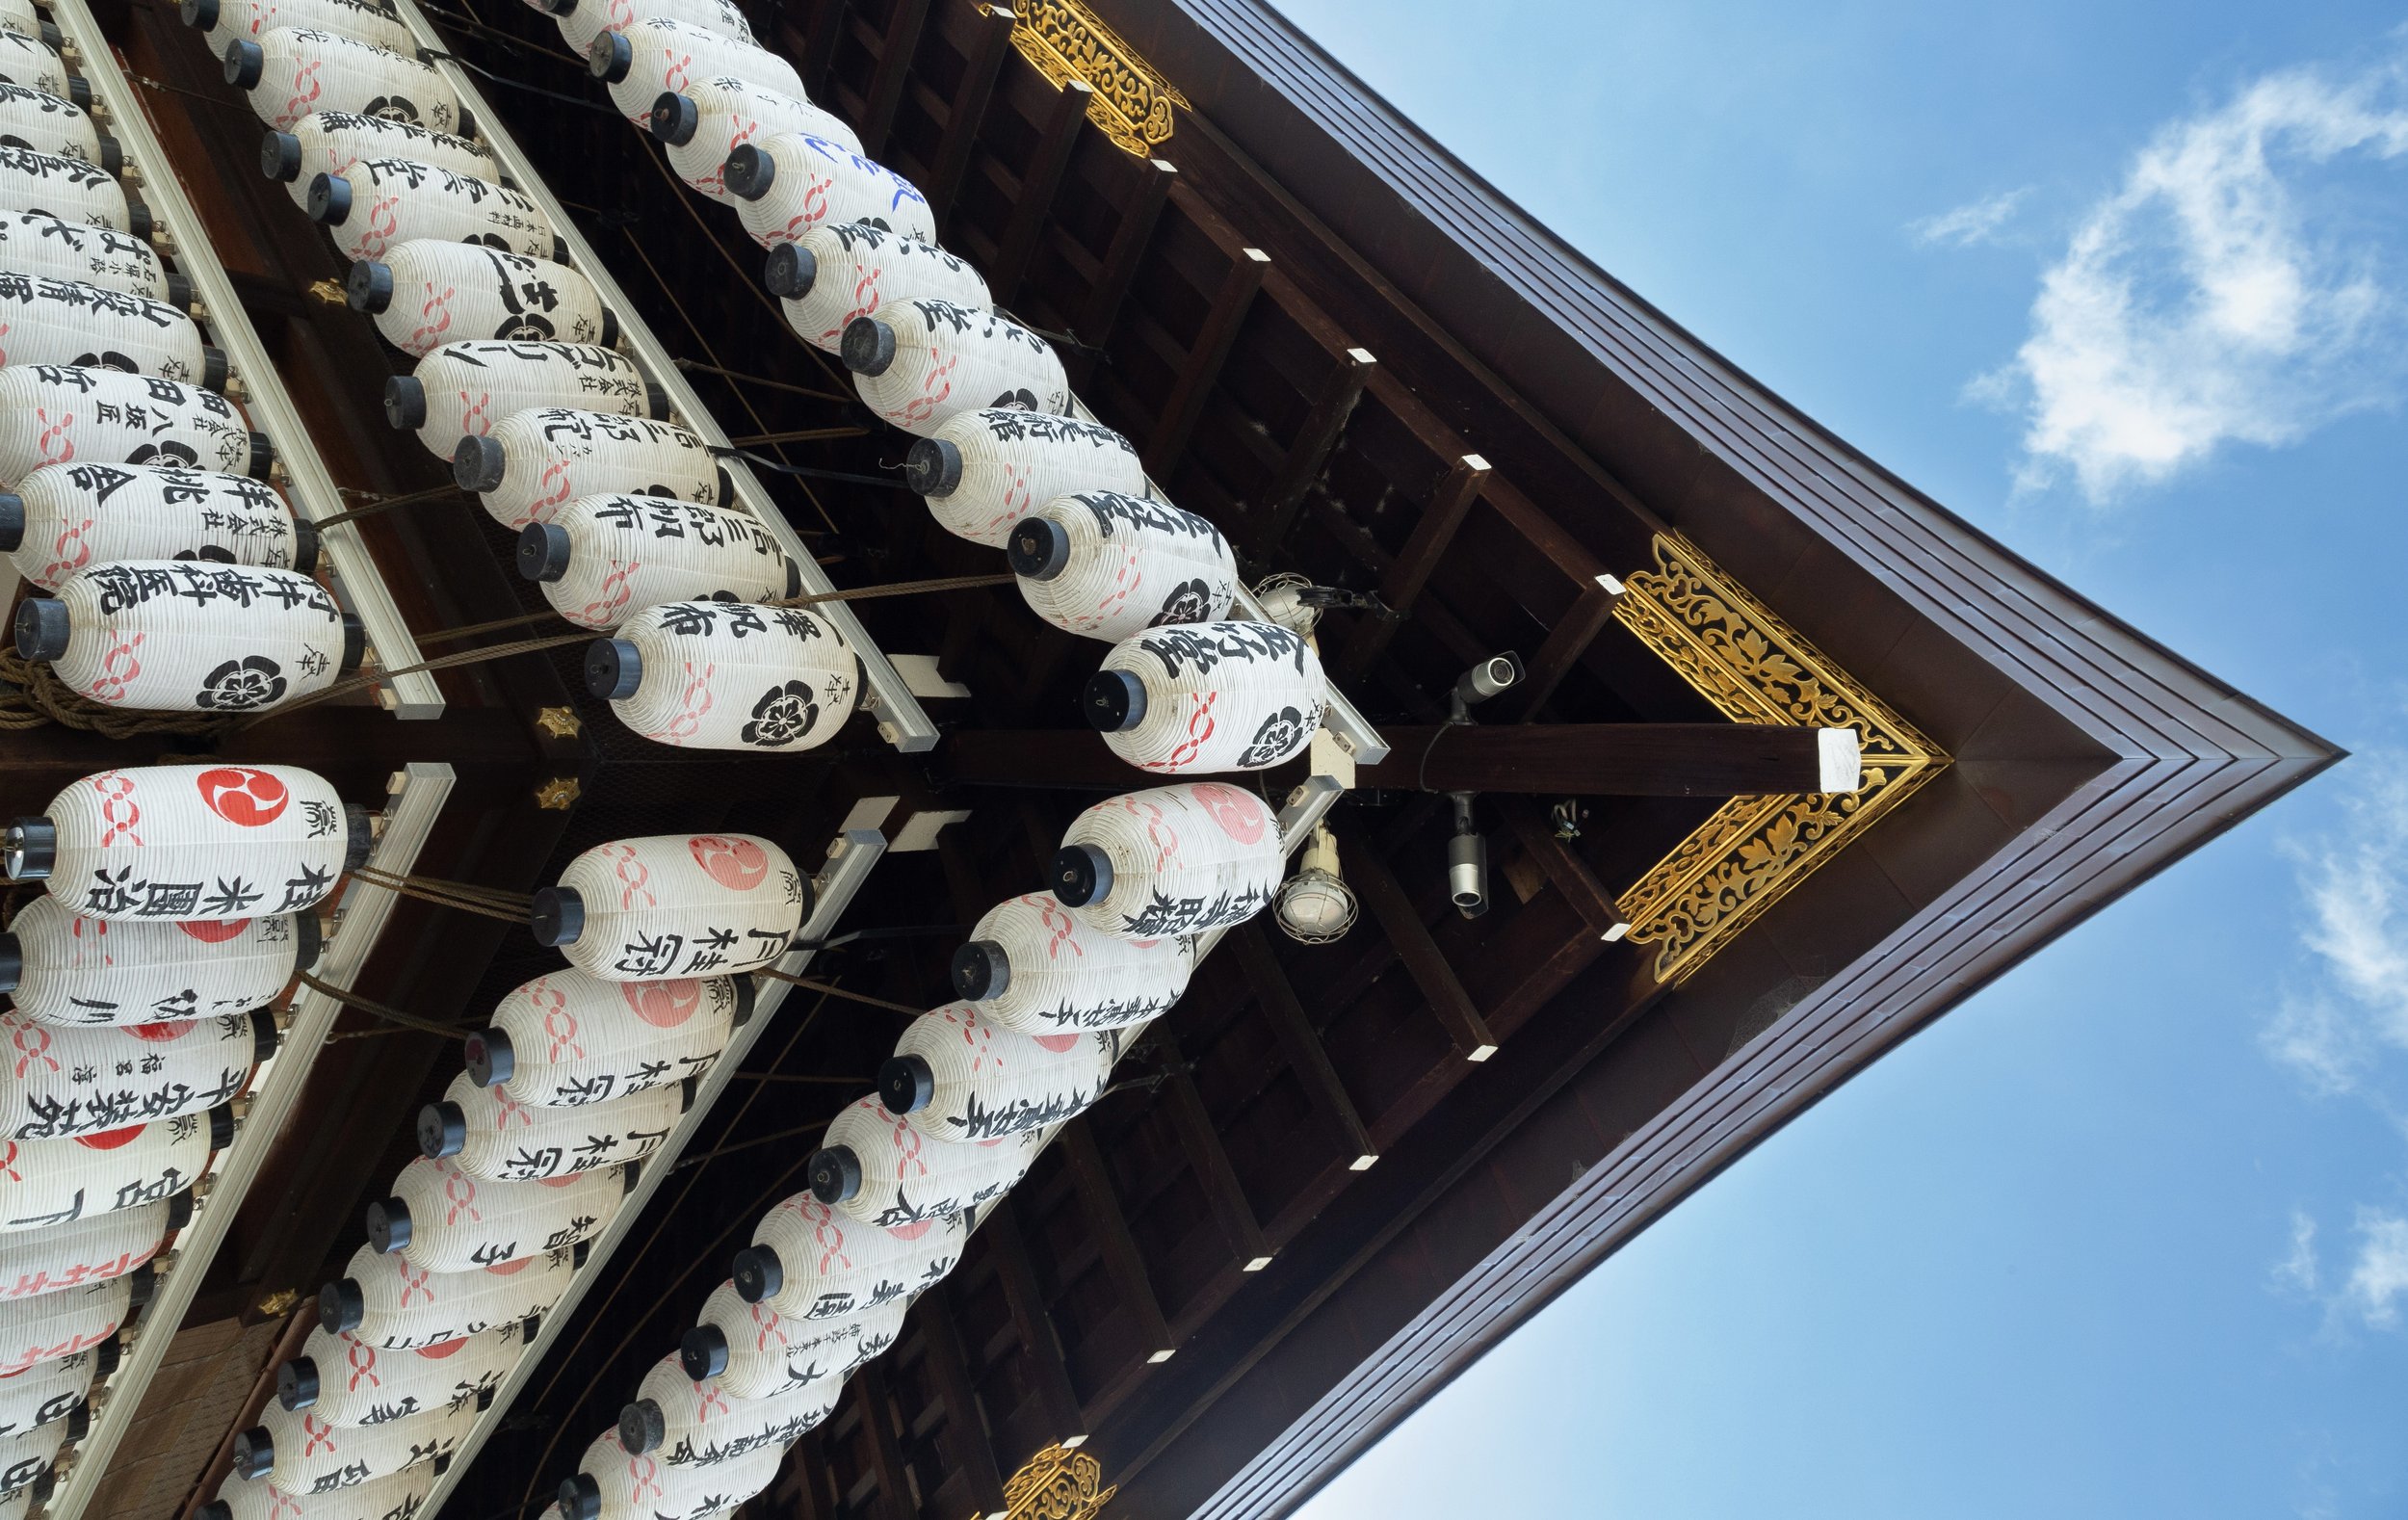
column 1057, row 1484
column 1066, row 40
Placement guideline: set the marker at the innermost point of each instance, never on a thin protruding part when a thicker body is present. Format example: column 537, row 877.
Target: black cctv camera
column 1487, row 678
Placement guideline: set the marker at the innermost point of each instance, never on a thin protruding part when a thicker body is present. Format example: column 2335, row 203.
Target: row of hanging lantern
column 179, row 902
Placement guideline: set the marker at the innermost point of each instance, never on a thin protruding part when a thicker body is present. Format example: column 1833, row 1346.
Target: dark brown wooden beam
column 1283, row 500
column 1034, row 204
column 895, row 1498
column 1402, row 922
column 1400, row 584
column 1049, row 1375
column 819, row 45
column 1602, row 759
column 1139, row 212
column 1231, row 1209
column 990, row 45
column 1052, row 758
column 1168, row 440
column 1122, row 1259
column 1303, row 1047
column 1566, row 641
column 1570, row 874
column 894, row 70
column 965, row 1425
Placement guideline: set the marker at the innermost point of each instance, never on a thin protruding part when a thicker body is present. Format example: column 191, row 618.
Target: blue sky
column 2126, row 284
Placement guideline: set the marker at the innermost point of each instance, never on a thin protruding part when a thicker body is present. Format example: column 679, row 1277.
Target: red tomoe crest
column 243, row 797
column 215, row 930
column 109, row 1139
column 441, row 1348
column 161, row 1033
column 1239, row 814
column 1057, row 1044
column 663, row 1005
column 509, row 1268
column 733, row 861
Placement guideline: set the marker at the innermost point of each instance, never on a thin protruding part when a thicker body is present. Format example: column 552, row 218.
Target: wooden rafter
column 966, row 1423
column 1122, row 1259
column 1276, row 514
column 1034, row 201
column 1401, row 924
column 1049, row 1375
column 990, row 45
column 1226, row 1195
column 893, row 69
column 1303, row 1047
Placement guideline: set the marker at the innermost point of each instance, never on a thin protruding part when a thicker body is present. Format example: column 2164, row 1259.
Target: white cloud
column 2357, row 892
column 2319, row 1042
column 1975, row 221
column 2297, row 1271
column 2200, row 304
column 2379, row 1277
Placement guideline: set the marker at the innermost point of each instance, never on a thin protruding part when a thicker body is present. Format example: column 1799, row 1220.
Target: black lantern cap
column 305, row 546
column 581, row 1497
column 543, row 547
column 933, row 466
column 610, row 56
column 1083, row 874
column 359, row 835
column 489, row 1058
column 12, row 522
column 758, row 1273
column 29, row 849
column 1115, row 701
column 281, row 156
column 868, row 347
column 790, row 272
column 309, row 940
column 559, row 916
column 137, row 218
column 179, row 1211
column 835, row 1174
column 613, row 670
column 703, row 1352
column 329, row 202
column 981, row 970
column 341, row 1305
column 142, row 1283
column 213, row 368
column 244, row 63
column 201, row 14
column 405, row 403
column 12, row 962
column 355, row 643
column 112, row 151
column 389, row 1226
column 43, row 628
column 442, row 1129
column 262, row 457
column 221, row 1126
column 179, row 290
column 749, row 171
column 1038, row 548
column 255, row 1453
column 655, row 401
column 748, row 993
column 479, row 463
column 641, row 1426
column 674, row 119
column 263, row 1035
column 906, row 1085
column 296, row 1385
column 369, row 286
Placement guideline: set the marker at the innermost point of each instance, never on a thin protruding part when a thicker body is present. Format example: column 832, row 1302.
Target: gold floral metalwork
column 1756, row 669
column 1058, row 1483
column 1066, row 40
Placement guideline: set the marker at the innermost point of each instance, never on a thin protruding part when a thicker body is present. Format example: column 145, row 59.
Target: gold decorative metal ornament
column 1756, row 669
column 559, row 723
column 1066, row 40
column 1058, row 1483
column 557, row 794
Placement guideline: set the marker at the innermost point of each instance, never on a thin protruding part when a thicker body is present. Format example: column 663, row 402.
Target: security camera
column 1467, row 861
column 1487, row 678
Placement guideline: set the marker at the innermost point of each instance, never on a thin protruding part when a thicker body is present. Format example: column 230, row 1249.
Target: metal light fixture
column 1316, row 906
column 1282, row 600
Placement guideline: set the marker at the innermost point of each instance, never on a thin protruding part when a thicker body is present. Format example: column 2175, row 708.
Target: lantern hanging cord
column 765, row 380
column 699, row 1158
column 364, row 683
column 830, row 990
column 780, row 467
column 484, row 902
column 374, row 1009
column 580, row 102
column 515, row 45
column 379, row 507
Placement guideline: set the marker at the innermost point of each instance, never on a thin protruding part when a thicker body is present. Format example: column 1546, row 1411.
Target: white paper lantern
column 46, row 123
column 291, row 72
column 27, row 1455
column 1200, row 699
column 55, row 414
column 568, row 1039
column 185, row 842
column 306, row 1455
column 612, row 1485
column 1107, row 565
column 839, row 273
column 36, row 242
column 67, row 188
column 580, row 22
column 53, row 1325
column 396, row 1496
column 600, row 559
column 222, row 22
column 715, row 675
column 469, row 387
column 784, row 186
column 425, row 294
column 386, row 1301
column 34, row 63
column 984, row 470
column 809, row 1261
column 444, row 1219
column 343, row 1379
column 920, row 361
column 332, row 142
column 710, row 118
column 64, row 518
column 57, row 1082
column 47, row 1183
column 89, row 1250
column 491, row 1133
column 23, row 15
column 874, row 1167
column 83, row 971
column 753, row 1352
column 961, row 1079
column 533, row 463
column 66, row 322
column 1170, row 860
column 379, row 203
column 674, row 905
column 1032, row 966
column 688, row 1422
column 51, row 1390
column 663, row 55
column 181, row 636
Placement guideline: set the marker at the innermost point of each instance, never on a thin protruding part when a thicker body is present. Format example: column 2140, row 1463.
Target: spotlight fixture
column 1282, row 599
column 1485, row 680
column 1467, row 861
column 1316, row 906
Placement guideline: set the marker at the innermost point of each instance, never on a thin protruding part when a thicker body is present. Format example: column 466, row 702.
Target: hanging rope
column 386, row 505
column 370, row 1006
column 800, row 435
column 32, row 695
column 370, row 682
column 511, row 907
column 763, row 1140
column 761, row 379
column 805, row 471
column 471, row 630
column 580, row 102
column 831, row 990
